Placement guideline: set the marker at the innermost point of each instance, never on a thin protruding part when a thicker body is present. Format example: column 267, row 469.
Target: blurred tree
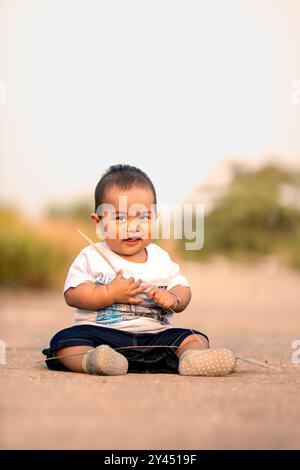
column 252, row 219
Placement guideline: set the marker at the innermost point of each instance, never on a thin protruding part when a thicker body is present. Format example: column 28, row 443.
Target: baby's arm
column 88, row 296
column 166, row 299
column 185, row 294
column 91, row 296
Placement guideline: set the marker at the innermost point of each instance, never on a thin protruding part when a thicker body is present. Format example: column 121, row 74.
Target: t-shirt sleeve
column 176, row 278
column 79, row 272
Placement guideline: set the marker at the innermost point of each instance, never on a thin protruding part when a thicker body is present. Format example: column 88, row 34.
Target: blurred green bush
column 27, row 259
column 253, row 219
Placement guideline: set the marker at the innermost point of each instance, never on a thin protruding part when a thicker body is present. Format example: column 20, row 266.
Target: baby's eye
column 121, row 217
column 144, row 217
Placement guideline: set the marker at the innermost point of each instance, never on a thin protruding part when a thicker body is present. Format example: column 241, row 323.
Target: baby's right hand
column 124, row 290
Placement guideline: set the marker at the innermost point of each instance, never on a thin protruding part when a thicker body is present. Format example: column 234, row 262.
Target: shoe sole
column 208, row 363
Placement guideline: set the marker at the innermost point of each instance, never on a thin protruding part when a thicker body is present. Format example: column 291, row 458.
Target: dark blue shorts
column 142, row 358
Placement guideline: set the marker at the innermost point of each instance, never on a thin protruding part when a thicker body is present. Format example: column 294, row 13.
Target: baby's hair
column 122, row 177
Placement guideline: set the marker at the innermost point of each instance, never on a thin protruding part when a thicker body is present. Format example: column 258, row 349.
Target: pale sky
column 170, row 86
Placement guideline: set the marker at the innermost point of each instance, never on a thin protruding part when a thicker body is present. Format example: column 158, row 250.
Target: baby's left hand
column 163, row 298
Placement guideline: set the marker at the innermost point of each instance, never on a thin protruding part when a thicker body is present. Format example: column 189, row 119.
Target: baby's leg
column 192, row 341
column 102, row 360
column 74, row 363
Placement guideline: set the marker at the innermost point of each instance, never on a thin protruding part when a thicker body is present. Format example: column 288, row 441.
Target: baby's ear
column 95, row 218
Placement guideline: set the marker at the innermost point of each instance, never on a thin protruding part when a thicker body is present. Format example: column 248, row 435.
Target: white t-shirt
column 147, row 317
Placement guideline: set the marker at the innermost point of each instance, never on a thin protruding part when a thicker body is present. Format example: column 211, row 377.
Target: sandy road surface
column 254, row 310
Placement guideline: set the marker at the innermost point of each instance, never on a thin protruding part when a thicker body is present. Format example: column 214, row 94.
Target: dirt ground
column 253, row 310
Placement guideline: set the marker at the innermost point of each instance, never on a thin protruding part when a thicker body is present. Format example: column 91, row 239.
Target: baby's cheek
column 146, row 231
column 109, row 230
column 116, row 231
column 121, row 232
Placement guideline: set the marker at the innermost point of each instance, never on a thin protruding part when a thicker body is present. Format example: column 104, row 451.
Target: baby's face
column 126, row 219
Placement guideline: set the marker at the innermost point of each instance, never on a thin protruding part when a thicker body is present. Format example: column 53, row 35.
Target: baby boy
column 124, row 300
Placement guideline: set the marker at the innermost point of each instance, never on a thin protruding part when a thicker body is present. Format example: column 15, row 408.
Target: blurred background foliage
column 79, row 210
column 38, row 255
column 258, row 216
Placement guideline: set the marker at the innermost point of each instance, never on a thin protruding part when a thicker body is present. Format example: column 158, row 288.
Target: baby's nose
column 133, row 227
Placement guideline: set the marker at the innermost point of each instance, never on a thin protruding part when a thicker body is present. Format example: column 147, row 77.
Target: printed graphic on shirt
column 122, row 311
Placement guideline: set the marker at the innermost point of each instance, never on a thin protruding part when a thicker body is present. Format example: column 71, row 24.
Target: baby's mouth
column 131, row 239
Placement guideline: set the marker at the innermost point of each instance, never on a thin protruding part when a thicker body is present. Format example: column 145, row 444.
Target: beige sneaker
column 104, row 360
column 207, row 362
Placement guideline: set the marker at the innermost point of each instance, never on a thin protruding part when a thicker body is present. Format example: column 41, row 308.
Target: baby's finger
column 152, row 292
column 130, row 280
column 133, row 300
column 138, row 290
column 158, row 296
column 146, row 285
column 119, row 274
column 135, row 285
column 169, row 304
